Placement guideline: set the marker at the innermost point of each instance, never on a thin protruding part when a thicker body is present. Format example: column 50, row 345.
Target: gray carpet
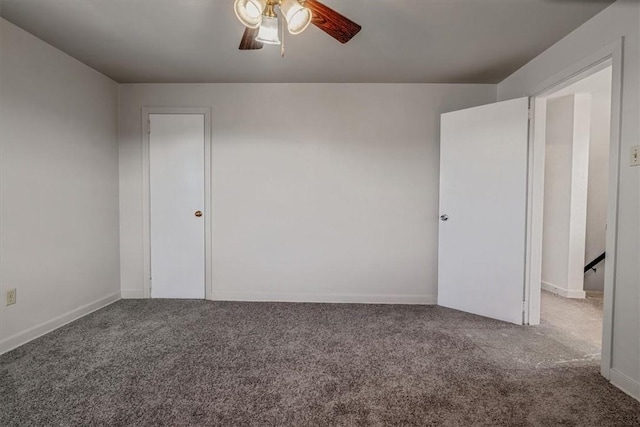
column 180, row 363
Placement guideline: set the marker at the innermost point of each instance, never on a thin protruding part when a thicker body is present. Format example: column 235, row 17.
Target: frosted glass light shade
column 298, row 18
column 268, row 32
column 249, row 12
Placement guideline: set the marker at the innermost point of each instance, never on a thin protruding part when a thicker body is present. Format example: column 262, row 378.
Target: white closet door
column 176, row 181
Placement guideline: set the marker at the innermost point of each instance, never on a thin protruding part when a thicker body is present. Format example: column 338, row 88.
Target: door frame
column 610, row 55
column 146, row 194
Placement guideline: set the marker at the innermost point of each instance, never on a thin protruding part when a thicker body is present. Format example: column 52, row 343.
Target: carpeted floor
column 180, row 363
column 579, row 320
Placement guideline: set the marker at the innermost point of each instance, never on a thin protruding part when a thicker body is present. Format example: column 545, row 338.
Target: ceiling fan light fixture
column 298, row 18
column 268, row 32
column 249, row 12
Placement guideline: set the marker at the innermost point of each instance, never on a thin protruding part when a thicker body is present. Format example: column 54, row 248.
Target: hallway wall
column 597, row 196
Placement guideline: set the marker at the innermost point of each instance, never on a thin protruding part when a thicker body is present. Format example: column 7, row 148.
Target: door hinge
column 530, row 113
column 149, row 126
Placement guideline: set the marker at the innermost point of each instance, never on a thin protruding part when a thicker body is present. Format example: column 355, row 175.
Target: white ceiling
column 402, row 41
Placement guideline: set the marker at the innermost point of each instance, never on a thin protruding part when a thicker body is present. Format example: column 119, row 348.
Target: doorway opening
column 577, row 139
column 573, row 208
column 578, row 122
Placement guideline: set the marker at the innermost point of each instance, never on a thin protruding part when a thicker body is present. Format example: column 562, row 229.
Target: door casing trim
column 146, row 199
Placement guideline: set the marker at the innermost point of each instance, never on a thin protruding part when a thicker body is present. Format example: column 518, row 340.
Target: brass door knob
column 198, row 214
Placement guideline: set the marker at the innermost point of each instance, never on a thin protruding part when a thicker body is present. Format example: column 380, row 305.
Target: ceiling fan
column 261, row 20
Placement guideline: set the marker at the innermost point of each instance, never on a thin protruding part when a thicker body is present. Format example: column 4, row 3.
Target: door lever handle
column 444, row 217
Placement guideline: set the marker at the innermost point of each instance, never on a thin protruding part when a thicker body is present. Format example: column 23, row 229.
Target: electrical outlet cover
column 11, row 296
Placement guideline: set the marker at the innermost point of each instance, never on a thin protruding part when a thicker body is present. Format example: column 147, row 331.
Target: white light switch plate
column 635, row 155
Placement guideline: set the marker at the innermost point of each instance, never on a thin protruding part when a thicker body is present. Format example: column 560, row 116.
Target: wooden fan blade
column 248, row 41
column 331, row 22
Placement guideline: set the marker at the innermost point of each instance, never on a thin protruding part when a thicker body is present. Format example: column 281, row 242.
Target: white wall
column 557, row 194
column 565, row 194
column 598, row 186
column 58, row 187
column 321, row 192
column 622, row 19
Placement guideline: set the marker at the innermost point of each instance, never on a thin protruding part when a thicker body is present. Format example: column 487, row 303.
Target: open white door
column 483, row 195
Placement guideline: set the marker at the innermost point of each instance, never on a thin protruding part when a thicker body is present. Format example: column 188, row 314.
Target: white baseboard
column 624, row 383
column 44, row 328
column 562, row 292
column 132, row 294
column 323, row 298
